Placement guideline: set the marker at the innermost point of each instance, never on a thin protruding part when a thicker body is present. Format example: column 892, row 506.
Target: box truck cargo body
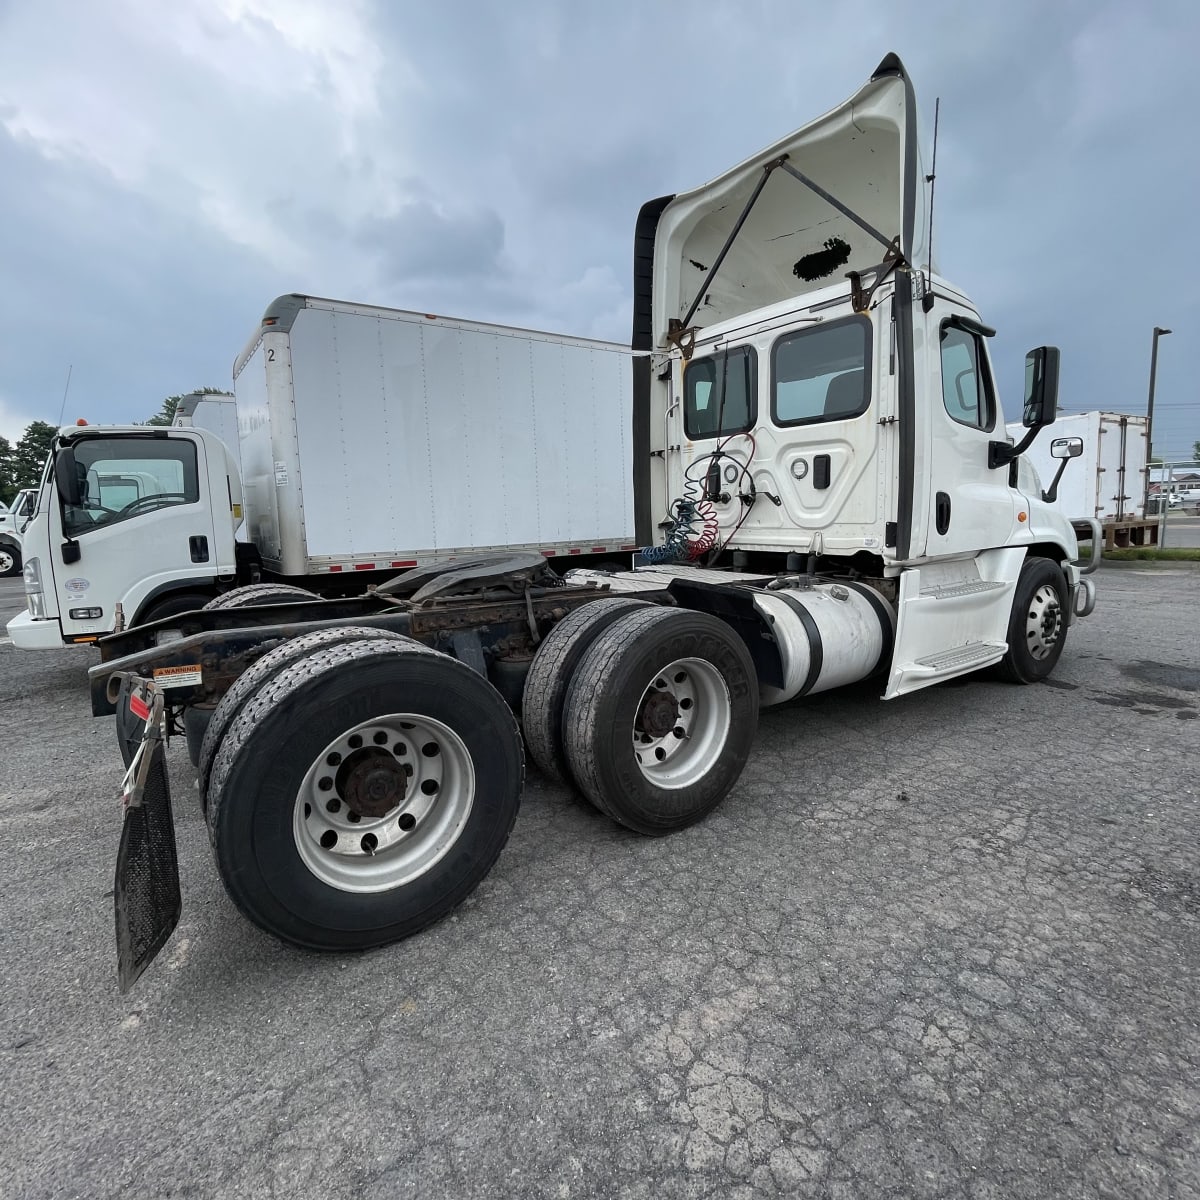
column 373, row 438
column 214, row 411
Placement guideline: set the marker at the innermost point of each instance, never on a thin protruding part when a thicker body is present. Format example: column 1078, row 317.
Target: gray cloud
column 422, row 241
column 488, row 161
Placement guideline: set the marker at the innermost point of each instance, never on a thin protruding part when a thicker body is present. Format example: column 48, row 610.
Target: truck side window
column 718, row 396
column 123, row 479
column 966, row 388
column 822, row 373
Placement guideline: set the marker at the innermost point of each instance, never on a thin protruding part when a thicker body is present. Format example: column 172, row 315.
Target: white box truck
column 1108, row 483
column 368, row 441
column 12, row 526
column 824, row 493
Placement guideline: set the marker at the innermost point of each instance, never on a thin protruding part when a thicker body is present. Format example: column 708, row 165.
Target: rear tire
column 256, row 676
column 660, row 718
column 300, row 867
column 1037, row 629
column 261, row 593
column 550, row 675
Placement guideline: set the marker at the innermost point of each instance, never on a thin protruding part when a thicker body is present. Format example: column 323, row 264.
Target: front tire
column 10, row 561
column 254, row 594
column 1037, row 629
column 660, row 718
column 343, row 724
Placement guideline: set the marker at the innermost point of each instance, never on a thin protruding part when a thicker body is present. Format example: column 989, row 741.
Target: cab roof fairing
column 865, row 153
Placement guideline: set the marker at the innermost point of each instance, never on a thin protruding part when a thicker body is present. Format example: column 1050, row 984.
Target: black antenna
column 65, row 391
column 931, row 179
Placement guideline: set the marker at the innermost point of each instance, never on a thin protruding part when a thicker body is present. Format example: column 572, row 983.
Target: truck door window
column 719, row 394
column 822, row 373
column 966, row 387
column 121, row 479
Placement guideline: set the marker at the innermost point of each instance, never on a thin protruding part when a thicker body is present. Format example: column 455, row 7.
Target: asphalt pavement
column 943, row 946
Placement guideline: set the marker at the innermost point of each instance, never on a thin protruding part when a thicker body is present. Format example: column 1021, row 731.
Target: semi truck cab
column 130, row 519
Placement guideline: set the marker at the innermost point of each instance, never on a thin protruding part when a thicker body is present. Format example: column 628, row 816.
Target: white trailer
column 1108, row 484
column 367, row 441
column 824, row 493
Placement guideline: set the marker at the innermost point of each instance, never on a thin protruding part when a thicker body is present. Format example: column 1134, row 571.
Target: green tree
column 166, row 414
column 1196, row 451
column 29, row 456
column 8, row 487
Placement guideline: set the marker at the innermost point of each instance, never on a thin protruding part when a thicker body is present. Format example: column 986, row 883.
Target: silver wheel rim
column 1043, row 625
column 418, row 767
column 681, row 723
column 6, row 561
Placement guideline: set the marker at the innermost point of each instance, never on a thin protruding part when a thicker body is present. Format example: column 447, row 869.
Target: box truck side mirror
column 66, row 477
column 70, row 493
column 1041, row 388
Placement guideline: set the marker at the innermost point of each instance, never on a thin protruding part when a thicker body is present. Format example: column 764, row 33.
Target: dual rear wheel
column 650, row 710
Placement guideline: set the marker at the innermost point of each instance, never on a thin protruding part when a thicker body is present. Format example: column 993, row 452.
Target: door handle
column 941, row 513
column 198, row 545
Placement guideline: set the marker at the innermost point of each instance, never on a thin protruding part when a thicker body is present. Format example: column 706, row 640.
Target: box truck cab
column 133, row 521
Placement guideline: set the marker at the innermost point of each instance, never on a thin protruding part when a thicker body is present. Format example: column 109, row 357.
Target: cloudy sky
column 167, row 169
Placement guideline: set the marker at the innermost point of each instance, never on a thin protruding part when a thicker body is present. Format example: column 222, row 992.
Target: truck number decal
column 270, row 355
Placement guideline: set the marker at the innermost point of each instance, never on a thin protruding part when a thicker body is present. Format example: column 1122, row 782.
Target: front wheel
column 1037, row 629
column 10, row 561
column 254, row 594
column 362, row 794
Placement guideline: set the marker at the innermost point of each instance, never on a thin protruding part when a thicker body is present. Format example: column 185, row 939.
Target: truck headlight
column 32, row 573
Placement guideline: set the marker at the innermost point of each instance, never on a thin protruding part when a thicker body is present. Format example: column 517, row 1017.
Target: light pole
column 1150, row 419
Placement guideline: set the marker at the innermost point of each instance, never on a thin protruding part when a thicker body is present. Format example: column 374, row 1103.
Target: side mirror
column 66, row 477
column 1064, row 449
column 1041, row 388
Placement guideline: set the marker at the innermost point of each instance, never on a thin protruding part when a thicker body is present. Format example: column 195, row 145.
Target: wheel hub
column 383, row 802
column 372, row 782
column 659, row 713
column 681, row 723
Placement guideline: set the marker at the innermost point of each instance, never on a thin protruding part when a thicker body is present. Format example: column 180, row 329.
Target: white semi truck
column 365, row 441
column 824, row 492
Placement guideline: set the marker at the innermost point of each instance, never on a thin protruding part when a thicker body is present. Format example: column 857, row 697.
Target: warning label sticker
column 169, row 677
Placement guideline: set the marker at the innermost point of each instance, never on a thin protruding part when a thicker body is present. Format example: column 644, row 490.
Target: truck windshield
column 121, row 478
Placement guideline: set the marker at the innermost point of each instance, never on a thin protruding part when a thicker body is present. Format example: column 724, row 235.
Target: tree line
column 21, row 464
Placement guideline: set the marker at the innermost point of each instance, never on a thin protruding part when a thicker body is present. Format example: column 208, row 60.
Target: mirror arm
column 1000, row 454
column 1051, row 493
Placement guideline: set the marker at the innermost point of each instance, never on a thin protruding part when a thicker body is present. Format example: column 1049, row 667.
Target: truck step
column 960, row 659
column 951, row 591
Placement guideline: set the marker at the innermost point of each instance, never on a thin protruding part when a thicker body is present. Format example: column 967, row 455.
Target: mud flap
column 146, row 896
